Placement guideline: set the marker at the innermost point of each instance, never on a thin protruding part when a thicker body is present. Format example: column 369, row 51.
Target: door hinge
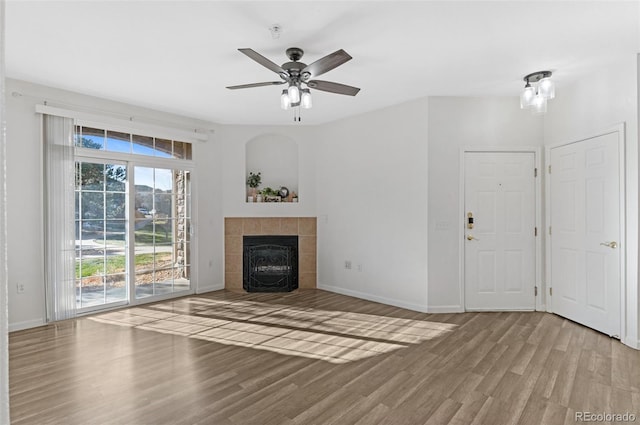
column 535, row 172
column 551, row 291
column 535, row 231
column 549, row 230
column 549, row 169
column 536, row 291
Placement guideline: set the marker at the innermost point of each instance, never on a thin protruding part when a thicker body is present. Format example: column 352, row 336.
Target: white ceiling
column 178, row 56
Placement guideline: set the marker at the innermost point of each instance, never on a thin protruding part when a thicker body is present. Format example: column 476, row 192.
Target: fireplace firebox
column 270, row 263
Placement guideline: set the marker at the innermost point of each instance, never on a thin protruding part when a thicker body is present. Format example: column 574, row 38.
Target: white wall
column 372, row 205
column 454, row 123
column 25, row 182
column 587, row 107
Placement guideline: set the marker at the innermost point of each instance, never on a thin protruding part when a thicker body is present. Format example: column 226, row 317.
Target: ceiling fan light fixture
column 296, row 76
column 306, row 99
column 294, row 94
column 285, row 103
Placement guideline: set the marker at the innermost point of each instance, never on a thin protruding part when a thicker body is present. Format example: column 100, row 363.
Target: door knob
column 471, row 238
column 612, row 245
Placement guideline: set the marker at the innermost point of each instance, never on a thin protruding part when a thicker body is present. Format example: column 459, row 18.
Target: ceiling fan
column 297, row 75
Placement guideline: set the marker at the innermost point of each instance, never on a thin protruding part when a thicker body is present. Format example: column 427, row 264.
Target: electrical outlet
column 347, row 264
column 20, row 288
column 359, row 267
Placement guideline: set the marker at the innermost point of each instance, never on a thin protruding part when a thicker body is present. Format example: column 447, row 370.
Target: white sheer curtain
column 4, row 303
column 60, row 237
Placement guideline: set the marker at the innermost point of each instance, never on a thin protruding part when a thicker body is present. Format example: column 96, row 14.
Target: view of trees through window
column 160, row 245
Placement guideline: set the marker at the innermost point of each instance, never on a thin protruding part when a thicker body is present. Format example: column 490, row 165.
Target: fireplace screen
column 270, row 263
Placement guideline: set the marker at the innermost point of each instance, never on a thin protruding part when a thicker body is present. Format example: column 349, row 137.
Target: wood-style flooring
column 314, row 357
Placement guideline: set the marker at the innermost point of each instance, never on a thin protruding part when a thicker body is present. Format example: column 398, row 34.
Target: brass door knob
column 612, row 245
column 471, row 238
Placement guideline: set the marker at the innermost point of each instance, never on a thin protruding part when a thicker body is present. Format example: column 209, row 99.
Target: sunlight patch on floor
column 330, row 335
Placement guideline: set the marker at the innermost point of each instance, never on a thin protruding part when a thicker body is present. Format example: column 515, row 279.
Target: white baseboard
column 629, row 342
column 28, row 324
column 445, row 309
column 375, row 298
column 211, row 288
column 542, row 307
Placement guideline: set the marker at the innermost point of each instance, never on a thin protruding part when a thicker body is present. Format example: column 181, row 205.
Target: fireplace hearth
column 270, row 263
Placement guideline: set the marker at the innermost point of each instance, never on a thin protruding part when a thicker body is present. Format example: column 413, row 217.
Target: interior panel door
column 585, row 232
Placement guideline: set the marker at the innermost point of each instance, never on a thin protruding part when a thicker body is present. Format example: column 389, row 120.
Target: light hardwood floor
column 314, row 357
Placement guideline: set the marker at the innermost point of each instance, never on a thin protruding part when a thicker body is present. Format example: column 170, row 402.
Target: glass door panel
column 101, row 228
column 162, row 225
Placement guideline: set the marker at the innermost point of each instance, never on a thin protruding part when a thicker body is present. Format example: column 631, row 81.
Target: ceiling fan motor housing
column 295, row 53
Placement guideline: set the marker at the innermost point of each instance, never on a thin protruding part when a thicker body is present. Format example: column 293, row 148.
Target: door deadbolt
column 469, row 221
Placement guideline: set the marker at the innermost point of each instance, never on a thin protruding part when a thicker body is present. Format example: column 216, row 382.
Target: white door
column 585, row 232
column 499, row 192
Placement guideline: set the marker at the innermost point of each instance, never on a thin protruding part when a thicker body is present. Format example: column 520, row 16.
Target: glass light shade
column 294, row 94
column 527, row 96
column 539, row 104
column 306, row 99
column 546, row 88
column 285, row 103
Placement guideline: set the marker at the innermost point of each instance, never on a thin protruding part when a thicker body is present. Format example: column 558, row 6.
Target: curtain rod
column 96, row 113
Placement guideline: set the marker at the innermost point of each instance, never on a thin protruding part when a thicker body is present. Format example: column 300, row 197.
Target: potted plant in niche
column 270, row 195
column 253, row 181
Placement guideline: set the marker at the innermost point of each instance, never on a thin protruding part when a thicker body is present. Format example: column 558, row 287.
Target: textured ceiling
column 178, row 56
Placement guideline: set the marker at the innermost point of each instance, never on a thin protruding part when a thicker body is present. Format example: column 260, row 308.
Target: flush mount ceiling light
column 538, row 89
column 297, row 75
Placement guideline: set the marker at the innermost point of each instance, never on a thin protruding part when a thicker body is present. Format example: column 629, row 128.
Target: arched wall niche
column 275, row 157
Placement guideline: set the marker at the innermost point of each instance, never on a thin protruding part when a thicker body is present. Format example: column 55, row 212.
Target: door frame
column 539, row 305
column 620, row 130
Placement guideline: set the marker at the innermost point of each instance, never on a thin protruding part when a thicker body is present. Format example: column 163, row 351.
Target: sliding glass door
column 162, row 231
column 122, row 257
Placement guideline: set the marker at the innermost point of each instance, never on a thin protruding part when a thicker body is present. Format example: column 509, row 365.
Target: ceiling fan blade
column 327, row 63
column 331, row 87
column 263, row 61
column 248, row 86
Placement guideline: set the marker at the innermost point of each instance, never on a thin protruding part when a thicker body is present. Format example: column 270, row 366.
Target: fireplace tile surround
column 237, row 227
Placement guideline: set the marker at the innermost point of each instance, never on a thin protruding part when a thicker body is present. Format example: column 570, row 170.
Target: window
column 113, row 141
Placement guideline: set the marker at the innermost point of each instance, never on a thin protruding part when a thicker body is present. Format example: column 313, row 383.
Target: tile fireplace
column 236, row 228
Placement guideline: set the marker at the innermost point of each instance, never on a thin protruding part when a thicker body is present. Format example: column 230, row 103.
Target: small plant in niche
column 254, row 180
column 267, row 191
column 271, row 195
